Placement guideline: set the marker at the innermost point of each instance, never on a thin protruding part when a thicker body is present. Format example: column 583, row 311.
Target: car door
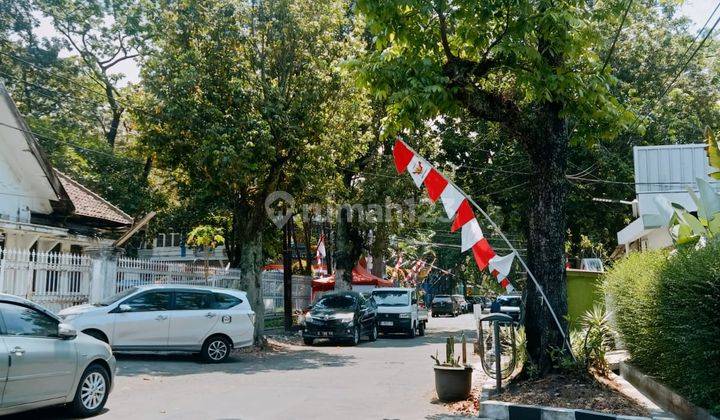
column 4, row 355
column 191, row 318
column 236, row 318
column 41, row 366
column 145, row 323
column 367, row 314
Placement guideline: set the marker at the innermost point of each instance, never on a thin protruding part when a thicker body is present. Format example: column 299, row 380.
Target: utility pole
column 287, row 275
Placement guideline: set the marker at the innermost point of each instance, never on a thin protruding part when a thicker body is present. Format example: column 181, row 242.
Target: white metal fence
column 136, row 272
column 59, row 280
column 55, row 280
column 273, row 292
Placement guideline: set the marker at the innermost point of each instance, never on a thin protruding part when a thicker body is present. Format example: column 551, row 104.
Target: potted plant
column 453, row 377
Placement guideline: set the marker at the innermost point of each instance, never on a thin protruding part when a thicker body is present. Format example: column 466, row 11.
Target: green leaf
column 713, row 152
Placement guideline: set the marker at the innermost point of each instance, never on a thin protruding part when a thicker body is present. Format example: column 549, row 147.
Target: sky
column 697, row 10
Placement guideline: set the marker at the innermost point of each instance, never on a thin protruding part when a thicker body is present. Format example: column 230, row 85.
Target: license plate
column 386, row 323
column 326, row 333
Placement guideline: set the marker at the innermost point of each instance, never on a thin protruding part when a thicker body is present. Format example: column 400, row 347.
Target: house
column 170, row 247
column 42, row 209
column 666, row 171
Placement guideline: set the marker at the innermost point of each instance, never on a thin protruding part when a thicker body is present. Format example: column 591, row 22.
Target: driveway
column 391, row 378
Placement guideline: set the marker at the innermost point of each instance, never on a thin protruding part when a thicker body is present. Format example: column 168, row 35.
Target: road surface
column 391, row 378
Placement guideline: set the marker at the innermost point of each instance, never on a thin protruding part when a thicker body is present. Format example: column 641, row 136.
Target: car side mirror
column 66, row 332
column 125, row 308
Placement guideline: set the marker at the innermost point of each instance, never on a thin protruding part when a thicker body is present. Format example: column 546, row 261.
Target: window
column 148, row 302
column 24, row 321
column 188, row 301
column 391, row 297
column 224, row 301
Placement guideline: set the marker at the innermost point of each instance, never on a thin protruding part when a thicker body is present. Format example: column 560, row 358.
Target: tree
column 243, row 100
column 103, row 34
column 64, row 105
column 532, row 69
column 208, row 238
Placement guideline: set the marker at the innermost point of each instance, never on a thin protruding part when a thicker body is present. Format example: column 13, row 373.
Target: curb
column 500, row 410
column 662, row 395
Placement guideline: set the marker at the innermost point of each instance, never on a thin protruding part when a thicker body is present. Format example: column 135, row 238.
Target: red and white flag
column 411, row 277
column 457, row 207
column 320, row 253
column 500, row 268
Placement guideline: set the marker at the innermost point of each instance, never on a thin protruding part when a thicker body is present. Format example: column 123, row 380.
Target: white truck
column 400, row 311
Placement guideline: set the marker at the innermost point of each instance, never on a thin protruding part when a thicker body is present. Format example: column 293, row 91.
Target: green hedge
column 667, row 311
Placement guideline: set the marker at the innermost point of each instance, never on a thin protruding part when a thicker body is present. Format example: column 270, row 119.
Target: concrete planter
column 453, row 383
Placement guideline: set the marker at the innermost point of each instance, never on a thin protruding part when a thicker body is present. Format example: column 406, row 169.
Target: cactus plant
column 450, row 359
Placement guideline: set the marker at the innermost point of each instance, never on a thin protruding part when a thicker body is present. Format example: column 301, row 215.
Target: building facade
column 42, row 209
column 668, row 172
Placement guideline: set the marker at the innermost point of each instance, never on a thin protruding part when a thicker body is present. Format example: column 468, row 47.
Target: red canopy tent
column 360, row 277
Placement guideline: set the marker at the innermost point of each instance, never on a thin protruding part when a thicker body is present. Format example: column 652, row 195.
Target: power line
column 639, row 120
column 617, row 35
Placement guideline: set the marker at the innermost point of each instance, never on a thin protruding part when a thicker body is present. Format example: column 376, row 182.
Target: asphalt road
column 391, row 378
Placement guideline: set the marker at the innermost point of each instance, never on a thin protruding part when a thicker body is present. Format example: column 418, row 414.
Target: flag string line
column 497, row 229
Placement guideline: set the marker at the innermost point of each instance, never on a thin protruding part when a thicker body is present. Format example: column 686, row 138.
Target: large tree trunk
column 348, row 247
column 250, row 265
column 378, row 249
column 547, row 150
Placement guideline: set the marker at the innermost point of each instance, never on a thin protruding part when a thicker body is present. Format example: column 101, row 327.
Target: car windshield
column 392, row 298
column 441, row 299
column 114, row 298
column 335, row 302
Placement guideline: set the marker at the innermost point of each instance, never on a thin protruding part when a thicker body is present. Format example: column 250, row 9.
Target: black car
column 341, row 316
column 445, row 305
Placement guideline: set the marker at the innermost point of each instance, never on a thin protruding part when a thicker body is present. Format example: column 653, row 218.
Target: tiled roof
column 89, row 204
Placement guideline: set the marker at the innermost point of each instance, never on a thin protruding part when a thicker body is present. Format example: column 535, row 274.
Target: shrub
column 667, row 311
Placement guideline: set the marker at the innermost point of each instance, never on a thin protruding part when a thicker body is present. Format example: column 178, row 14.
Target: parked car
column 211, row 321
column 445, row 305
column 464, row 305
column 49, row 363
column 339, row 316
column 399, row 311
column 511, row 305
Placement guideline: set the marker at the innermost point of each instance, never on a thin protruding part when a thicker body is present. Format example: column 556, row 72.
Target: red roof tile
column 89, row 204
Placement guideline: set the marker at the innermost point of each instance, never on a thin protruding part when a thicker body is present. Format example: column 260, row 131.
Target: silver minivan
column 44, row 362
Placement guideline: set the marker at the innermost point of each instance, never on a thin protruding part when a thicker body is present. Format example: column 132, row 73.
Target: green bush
column 667, row 311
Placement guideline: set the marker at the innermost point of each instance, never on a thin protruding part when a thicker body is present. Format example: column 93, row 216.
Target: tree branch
column 443, row 33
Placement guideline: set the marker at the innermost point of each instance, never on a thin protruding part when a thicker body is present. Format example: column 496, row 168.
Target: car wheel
column 411, row 333
column 216, row 349
column 92, row 391
column 373, row 333
column 355, row 340
column 421, row 329
column 308, row 341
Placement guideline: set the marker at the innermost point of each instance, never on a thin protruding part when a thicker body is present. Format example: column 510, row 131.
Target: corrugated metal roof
column 668, row 171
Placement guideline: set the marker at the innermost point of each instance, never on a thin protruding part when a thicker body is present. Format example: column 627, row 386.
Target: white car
column 208, row 320
column 48, row 363
column 400, row 311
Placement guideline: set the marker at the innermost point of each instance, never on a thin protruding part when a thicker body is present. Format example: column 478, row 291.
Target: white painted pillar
column 103, row 271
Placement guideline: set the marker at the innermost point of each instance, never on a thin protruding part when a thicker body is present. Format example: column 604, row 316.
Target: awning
column 360, row 277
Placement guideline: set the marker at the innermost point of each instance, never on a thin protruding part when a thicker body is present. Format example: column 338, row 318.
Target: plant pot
column 453, row 383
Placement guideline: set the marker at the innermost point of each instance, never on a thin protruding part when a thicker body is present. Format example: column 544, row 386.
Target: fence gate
column 55, row 280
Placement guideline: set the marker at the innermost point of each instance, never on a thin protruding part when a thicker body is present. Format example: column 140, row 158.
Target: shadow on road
column 286, row 359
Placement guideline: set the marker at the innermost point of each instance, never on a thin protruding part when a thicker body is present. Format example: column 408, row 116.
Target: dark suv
column 445, row 305
column 341, row 316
